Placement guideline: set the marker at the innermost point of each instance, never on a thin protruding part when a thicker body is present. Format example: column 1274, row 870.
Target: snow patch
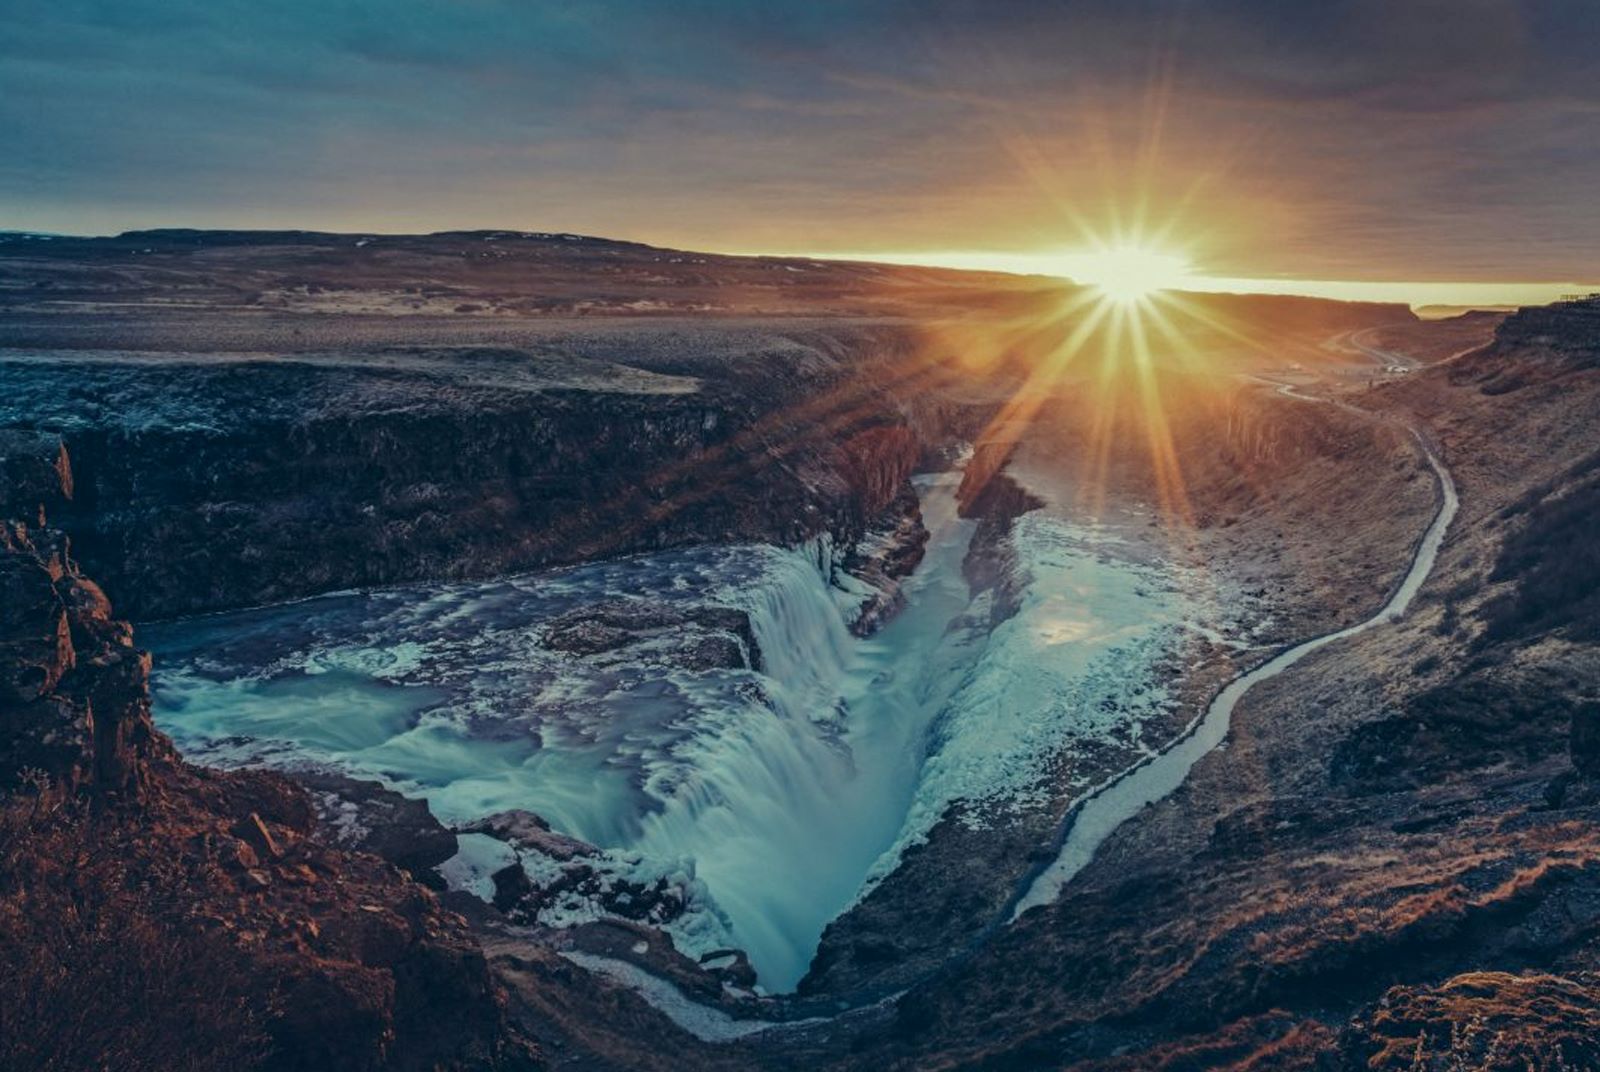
column 477, row 858
column 703, row 1022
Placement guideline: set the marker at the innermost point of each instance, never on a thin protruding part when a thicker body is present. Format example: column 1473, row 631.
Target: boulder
column 365, row 815
column 253, row 832
column 530, row 833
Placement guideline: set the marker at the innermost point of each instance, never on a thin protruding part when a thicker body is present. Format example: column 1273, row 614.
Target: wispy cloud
column 1354, row 137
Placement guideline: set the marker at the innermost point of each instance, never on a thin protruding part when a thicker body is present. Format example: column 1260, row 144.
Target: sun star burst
column 1127, row 274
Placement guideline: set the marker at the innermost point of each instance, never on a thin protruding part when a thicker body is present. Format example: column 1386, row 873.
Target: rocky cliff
column 1569, row 327
column 154, row 915
column 1535, row 345
column 1394, row 863
column 211, row 483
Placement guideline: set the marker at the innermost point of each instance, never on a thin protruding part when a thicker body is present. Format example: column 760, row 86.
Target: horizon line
column 1417, row 294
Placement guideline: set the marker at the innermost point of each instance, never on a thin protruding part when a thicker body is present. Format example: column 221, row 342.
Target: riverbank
column 1098, row 817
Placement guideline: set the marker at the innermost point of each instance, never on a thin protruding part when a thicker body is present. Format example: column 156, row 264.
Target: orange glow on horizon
column 1066, row 263
column 1129, row 352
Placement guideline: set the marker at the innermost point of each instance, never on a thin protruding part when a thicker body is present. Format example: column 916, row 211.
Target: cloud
column 1352, row 136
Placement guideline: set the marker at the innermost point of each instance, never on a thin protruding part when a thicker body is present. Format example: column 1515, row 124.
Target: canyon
column 569, row 653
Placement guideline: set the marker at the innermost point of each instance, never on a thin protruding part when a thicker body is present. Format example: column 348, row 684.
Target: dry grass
column 97, row 973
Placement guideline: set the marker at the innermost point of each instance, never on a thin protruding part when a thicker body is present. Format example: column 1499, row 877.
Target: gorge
column 765, row 786
column 759, row 659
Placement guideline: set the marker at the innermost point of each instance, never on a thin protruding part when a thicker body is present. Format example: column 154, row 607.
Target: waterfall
column 751, row 810
column 768, row 794
column 805, row 648
column 793, row 806
column 773, row 797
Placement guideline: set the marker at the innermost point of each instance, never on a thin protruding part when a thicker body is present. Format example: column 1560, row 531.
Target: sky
column 1356, row 141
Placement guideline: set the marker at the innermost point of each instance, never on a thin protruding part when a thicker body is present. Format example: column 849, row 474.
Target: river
column 1100, row 815
column 774, row 798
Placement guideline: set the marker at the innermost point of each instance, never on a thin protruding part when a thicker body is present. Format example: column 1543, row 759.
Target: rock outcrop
column 1534, row 346
column 1568, row 328
column 74, row 685
column 154, row 915
column 357, row 814
column 205, row 484
column 694, row 638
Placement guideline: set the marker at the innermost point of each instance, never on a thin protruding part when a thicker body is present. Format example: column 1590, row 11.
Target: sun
column 1126, row 274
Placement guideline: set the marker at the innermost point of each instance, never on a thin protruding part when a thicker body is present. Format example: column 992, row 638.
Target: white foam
column 772, row 799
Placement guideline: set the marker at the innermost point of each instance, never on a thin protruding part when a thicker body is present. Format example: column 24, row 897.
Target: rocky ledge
column 154, row 915
column 626, row 631
column 214, row 481
column 1534, row 346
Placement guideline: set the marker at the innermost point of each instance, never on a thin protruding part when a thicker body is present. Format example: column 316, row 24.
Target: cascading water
column 783, row 860
column 772, row 798
column 747, row 812
column 771, row 793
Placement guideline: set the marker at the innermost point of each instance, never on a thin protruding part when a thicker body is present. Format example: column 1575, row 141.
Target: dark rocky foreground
column 154, row 915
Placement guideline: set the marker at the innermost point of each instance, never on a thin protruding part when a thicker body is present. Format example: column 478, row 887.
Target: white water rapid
column 772, row 799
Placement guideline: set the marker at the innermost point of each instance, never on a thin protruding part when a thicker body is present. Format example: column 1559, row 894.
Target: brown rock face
column 1488, row 1021
column 73, row 686
column 155, row 916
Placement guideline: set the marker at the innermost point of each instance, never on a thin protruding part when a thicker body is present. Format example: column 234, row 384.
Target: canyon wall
column 154, row 915
column 1393, row 862
column 203, row 484
column 1256, row 482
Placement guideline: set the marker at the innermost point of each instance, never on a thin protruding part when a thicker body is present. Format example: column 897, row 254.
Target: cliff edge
column 154, row 915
